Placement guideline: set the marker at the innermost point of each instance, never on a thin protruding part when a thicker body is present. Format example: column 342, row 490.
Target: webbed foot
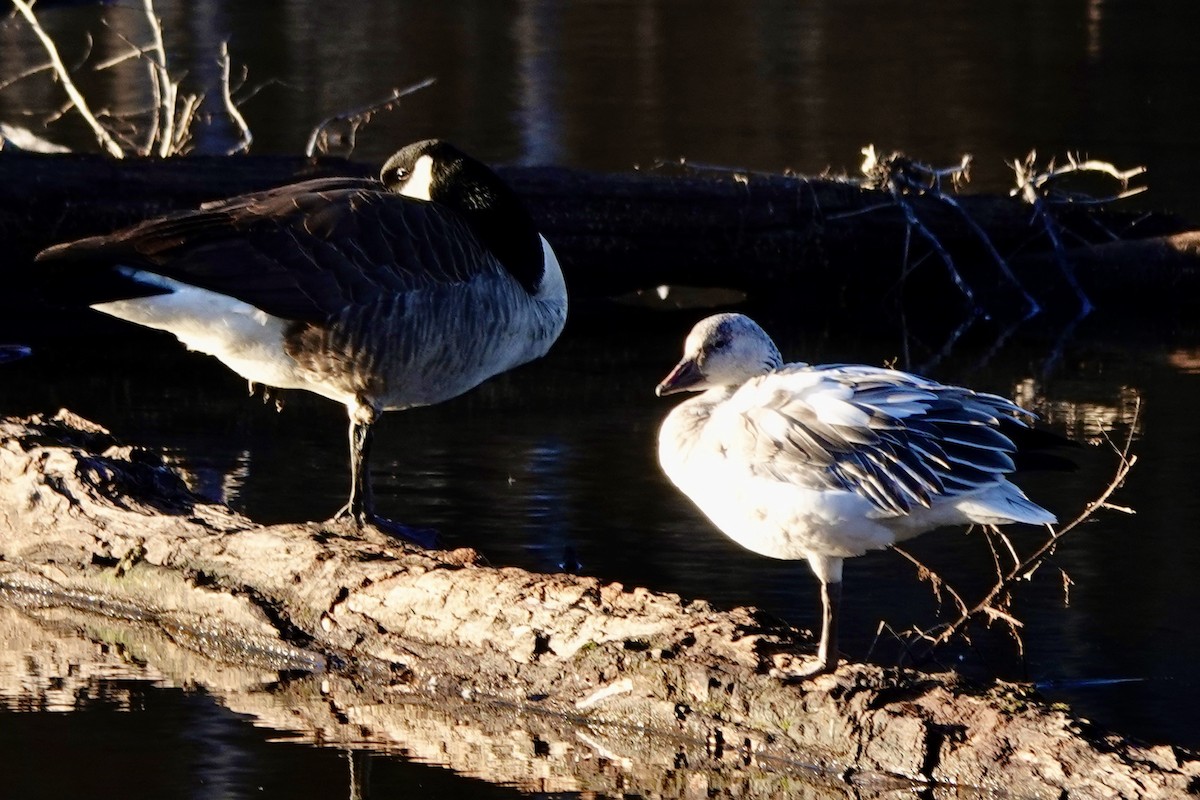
column 796, row 669
column 422, row 537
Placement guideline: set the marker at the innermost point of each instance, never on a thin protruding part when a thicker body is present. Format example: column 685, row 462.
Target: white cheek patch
column 417, row 185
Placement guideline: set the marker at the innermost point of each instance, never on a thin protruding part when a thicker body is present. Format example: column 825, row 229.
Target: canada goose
column 380, row 295
column 827, row 462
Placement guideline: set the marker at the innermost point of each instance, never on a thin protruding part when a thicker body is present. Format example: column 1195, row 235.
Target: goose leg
column 831, row 603
column 361, row 506
column 827, row 651
column 828, row 570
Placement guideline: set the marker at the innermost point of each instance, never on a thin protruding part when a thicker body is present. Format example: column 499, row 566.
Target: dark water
column 138, row 740
column 560, row 454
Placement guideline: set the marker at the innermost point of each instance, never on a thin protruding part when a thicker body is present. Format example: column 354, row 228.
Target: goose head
column 724, row 350
column 425, row 170
column 436, row 171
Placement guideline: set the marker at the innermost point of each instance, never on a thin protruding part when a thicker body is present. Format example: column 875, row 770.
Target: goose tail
column 88, row 272
column 1003, row 505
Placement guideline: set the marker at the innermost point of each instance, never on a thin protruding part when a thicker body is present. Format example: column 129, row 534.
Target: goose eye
column 401, row 173
column 720, row 344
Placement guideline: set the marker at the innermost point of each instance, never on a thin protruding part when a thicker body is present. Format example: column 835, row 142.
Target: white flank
column 247, row 339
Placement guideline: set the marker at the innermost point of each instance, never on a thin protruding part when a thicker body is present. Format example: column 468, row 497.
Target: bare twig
column 161, row 130
column 155, row 113
column 1032, row 181
column 1028, row 565
column 250, row 93
column 24, row 139
column 358, row 117
column 59, row 113
column 995, row 531
column 995, row 606
column 1031, row 306
column 903, row 176
column 1067, row 583
column 60, row 70
column 168, row 89
column 244, row 136
column 170, row 118
column 133, row 52
column 900, row 175
column 29, row 73
column 935, row 581
column 899, row 638
column 1035, row 187
column 183, row 125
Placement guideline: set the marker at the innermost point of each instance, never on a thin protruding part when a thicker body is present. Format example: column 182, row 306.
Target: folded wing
column 896, row 439
column 302, row 252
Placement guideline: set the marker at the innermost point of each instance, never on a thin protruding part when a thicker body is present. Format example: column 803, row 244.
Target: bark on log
column 402, row 643
column 816, row 242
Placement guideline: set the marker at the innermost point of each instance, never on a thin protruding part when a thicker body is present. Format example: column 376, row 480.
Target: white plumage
column 825, row 463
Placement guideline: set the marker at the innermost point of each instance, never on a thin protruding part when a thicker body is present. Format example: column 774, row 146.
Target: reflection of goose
column 11, row 352
column 362, row 292
column 826, row 462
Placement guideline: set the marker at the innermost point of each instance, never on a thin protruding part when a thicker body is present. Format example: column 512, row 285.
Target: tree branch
column 993, row 602
column 245, row 137
column 106, row 141
column 359, row 116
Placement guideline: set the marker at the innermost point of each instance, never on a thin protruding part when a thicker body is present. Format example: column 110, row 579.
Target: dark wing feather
column 302, row 252
column 898, row 440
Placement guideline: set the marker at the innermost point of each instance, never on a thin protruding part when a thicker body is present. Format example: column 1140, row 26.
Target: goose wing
column 896, row 439
column 304, row 252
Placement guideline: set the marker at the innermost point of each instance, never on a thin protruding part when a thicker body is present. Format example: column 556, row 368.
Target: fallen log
column 92, row 529
column 815, row 242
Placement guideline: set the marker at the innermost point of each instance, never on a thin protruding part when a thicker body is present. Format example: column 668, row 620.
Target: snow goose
column 379, row 295
column 827, row 462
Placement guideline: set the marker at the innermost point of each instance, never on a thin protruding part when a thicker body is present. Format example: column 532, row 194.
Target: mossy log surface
column 813, row 241
column 535, row 679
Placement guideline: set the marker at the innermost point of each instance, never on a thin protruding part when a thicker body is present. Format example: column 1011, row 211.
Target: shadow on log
column 439, row 654
column 812, row 242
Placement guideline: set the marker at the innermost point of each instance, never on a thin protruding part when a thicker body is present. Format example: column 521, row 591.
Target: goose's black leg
column 361, row 505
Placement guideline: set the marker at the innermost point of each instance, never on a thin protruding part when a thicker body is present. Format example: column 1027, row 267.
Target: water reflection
column 1094, row 422
column 537, row 55
column 49, row 663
